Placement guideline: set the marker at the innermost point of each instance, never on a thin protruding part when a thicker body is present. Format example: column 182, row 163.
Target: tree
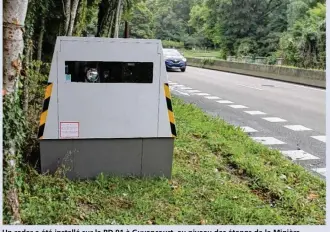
column 303, row 45
column 117, row 18
column 86, row 19
column 70, row 12
column 14, row 13
column 141, row 21
column 73, row 14
column 106, row 18
column 170, row 18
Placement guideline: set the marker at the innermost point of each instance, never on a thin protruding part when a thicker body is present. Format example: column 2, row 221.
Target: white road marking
column 224, row 102
column 251, row 87
column 185, row 88
column 268, row 140
column 297, row 128
column 213, row 97
column 299, row 155
column 178, row 86
column 321, row 171
column 179, row 92
column 255, row 112
column 238, row 106
column 248, row 129
column 193, row 91
column 182, row 93
column 320, row 138
column 173, row 83
column 202, row 94
column 274, row 119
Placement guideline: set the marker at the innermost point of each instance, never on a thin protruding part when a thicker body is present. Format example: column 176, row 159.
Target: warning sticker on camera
column 69, row 129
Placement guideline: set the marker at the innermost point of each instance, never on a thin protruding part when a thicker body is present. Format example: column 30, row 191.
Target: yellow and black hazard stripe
column 44, row 113
column 170, row 109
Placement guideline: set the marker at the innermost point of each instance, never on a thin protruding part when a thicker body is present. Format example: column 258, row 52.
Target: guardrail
column 315, row 78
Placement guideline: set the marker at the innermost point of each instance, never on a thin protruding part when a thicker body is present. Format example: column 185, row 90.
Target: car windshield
column 171, row 53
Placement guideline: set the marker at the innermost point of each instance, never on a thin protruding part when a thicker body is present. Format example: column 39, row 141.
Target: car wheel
column 183, row 69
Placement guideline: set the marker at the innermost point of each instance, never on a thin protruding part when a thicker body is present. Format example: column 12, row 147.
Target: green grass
column 201, row 54
column 220, row 176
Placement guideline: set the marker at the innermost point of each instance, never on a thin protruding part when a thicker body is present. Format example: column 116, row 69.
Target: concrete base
column 87, row 158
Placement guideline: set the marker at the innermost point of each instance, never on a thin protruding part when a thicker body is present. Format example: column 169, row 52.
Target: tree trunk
column 105, row 22
column 14, row 13
column 67, row 10
column 117, row 22
column 26, row 79
column 60, row 28
column 110, row 26
column 79, row 25
column 112, row 12
column 41, row 38
column 100, row 17
column 74, row 8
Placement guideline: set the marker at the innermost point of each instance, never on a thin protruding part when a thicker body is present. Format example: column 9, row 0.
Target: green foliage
column 86, row 19
column 192, row 41
column 20, row 129
column 222, row 54
column 172, row 44
column 38, row 74
column 91, row 17
column 14, row 134
column 14, row 124
column 170, row 18
column 246, row 47
column 141, row 21
column 271, row 60
column 296, row 10
column 304, row 43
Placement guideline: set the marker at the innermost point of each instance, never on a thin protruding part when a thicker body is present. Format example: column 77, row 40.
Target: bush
column 245, row 47
column 38, row 75
column 222, row 55
column 271, row 60
column 172, row 44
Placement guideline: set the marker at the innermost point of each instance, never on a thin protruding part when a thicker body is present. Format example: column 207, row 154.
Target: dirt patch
column 119, row 202
column 263, row 194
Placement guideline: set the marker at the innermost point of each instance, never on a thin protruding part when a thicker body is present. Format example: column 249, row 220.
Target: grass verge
column 220, row 176
column 202, row 54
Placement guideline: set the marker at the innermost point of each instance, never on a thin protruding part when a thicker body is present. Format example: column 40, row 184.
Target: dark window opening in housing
column 109, row 72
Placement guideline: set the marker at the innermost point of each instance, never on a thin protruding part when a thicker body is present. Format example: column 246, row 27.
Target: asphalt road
column 283, row 116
